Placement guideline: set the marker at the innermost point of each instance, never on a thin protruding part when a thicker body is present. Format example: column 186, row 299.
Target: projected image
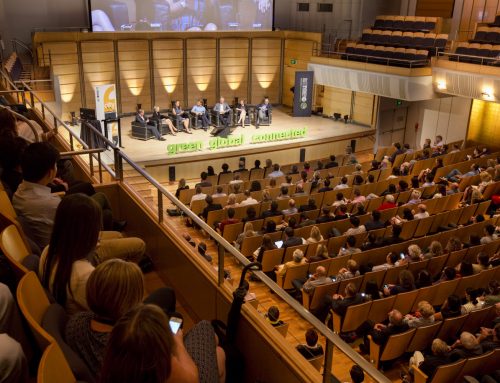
column 181, row 15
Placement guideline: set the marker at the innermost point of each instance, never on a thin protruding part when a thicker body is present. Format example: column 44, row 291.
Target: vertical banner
column 105, row 102
column 302, row 97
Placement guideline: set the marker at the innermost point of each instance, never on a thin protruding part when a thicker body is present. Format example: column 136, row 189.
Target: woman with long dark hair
column 68, row 261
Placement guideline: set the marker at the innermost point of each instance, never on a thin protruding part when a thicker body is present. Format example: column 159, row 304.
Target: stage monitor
column 180, row 15
column 87, row 114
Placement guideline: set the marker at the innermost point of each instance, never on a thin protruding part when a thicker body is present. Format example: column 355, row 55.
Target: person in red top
column 228, row 221
column 388, row 203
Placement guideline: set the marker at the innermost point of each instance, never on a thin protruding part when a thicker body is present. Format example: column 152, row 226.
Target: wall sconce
column 487, row 93
column 441, row 85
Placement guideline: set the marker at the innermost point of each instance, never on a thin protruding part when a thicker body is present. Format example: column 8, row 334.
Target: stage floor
column 317, row 129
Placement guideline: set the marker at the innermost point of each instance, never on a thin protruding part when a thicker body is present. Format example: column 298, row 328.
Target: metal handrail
column 27, row 120
column 226, row 246
column 385, row 60
column 482, row 58
column 332, row 339
column 15, row 42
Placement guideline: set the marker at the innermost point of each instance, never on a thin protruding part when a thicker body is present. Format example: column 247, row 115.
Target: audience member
column 311, row 349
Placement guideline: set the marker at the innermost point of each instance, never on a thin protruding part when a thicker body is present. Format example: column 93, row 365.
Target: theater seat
column 140, row 132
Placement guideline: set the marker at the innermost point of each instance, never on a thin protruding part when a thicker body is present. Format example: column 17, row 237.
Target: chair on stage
column 267, row 118
column 196, row 120
column 219, row 128
column 237, row 113
column 141, row 132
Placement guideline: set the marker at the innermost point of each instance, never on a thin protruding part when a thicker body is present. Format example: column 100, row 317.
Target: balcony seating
column 474, row 53
column 406, row 23
column 378, row 54
column 415, row 40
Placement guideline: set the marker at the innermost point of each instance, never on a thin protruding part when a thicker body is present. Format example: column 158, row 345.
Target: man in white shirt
column 36, row 206
column 219, row 192
column 421, row 212
column 356, row 227
column 249, row 200
column 438, row 141
column 198, row 195
column 342, row 185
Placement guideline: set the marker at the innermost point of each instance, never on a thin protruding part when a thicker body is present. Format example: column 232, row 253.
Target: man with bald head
column 308, row 285
column 381, row 332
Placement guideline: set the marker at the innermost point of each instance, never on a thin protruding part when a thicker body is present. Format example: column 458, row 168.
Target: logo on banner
column 105, row 101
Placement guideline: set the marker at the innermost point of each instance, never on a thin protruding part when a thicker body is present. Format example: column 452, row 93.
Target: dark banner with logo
column 303, row 92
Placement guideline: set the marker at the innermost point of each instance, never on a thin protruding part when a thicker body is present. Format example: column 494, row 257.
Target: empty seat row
column 406, row 23
column 378, row 54
column 406, row 39
column 487, row 35
column 476, row 53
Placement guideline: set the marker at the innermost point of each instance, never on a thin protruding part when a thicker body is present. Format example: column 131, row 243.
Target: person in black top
column 326, row 186
column 375, row 222
column 204, row 182
column 451, row 308
column 381, row 332
column 439, row 357
column 399, row 150
column 332, row 163
column 291, row 239
column 241, row 167
column 311, row 205
column 182, row 186
column 325, row 216
column 338, row 303
column 210, row 207
column 311, row 349
column 158, row 118
column 256, row 165
column 395, row 238
column 272, row 212
column 251, row 215
column 148, row 124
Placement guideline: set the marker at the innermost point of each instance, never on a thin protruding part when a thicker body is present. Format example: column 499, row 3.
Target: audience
column 311, row 349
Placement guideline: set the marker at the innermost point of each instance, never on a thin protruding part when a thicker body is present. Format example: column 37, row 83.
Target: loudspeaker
column 171, row 173
column 353, row 145
column 302, row 155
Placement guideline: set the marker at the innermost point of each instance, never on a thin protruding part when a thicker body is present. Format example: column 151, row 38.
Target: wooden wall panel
column 363, row 112
column 484, row 123
column 296, row 56
column 201, row 70
column 437, row 8
column 233, row 59
column 168, row 59
column 336, row 100
column 98, row 59
column 474, row 12
column 266, row 71
column 133, row 57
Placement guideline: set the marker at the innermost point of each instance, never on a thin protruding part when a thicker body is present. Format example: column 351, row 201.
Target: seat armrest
column 374, row 352
column 419, row 376
column 306, row 299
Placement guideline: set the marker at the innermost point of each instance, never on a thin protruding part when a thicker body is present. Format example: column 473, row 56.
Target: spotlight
column 337, row 116
column 346, row 118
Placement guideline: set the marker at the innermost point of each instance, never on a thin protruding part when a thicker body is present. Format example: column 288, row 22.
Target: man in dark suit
column 381, row 332
column 338, row 303
column 326, row 186
column 291, row 239
column 311, row 205
column 211, row 206
column 374, row 223
column 149, row 125
column 262, row 111
column 204, row 182
column 332, row 163
column 272, row 212
column 325, row 216
column 224, row 111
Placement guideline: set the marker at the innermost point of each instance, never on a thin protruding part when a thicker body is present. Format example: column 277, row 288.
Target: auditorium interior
column 337, row 194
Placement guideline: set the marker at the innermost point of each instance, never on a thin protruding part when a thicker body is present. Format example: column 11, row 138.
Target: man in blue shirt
column 455, row 175
column 201, row 112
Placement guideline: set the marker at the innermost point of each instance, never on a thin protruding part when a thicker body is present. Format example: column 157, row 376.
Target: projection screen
column 180, row 15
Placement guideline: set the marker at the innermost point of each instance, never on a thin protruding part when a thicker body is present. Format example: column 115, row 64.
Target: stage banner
column 105, row 102
column 303, row 93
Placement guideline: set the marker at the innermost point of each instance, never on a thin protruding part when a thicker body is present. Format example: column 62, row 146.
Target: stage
column 282, row 141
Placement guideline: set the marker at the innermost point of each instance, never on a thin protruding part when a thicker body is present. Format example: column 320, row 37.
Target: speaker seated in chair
column 222, row 118
column 143, row 128
column 180, row 117
column 263, row 114
column 163, row 123
column 199, row 116
column 242, row 113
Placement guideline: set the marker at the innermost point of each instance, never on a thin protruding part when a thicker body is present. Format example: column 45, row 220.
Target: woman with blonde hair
column 486, row 179
column 315, row 235
column 114, row 288
column 231, row 201
column 248, row 231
